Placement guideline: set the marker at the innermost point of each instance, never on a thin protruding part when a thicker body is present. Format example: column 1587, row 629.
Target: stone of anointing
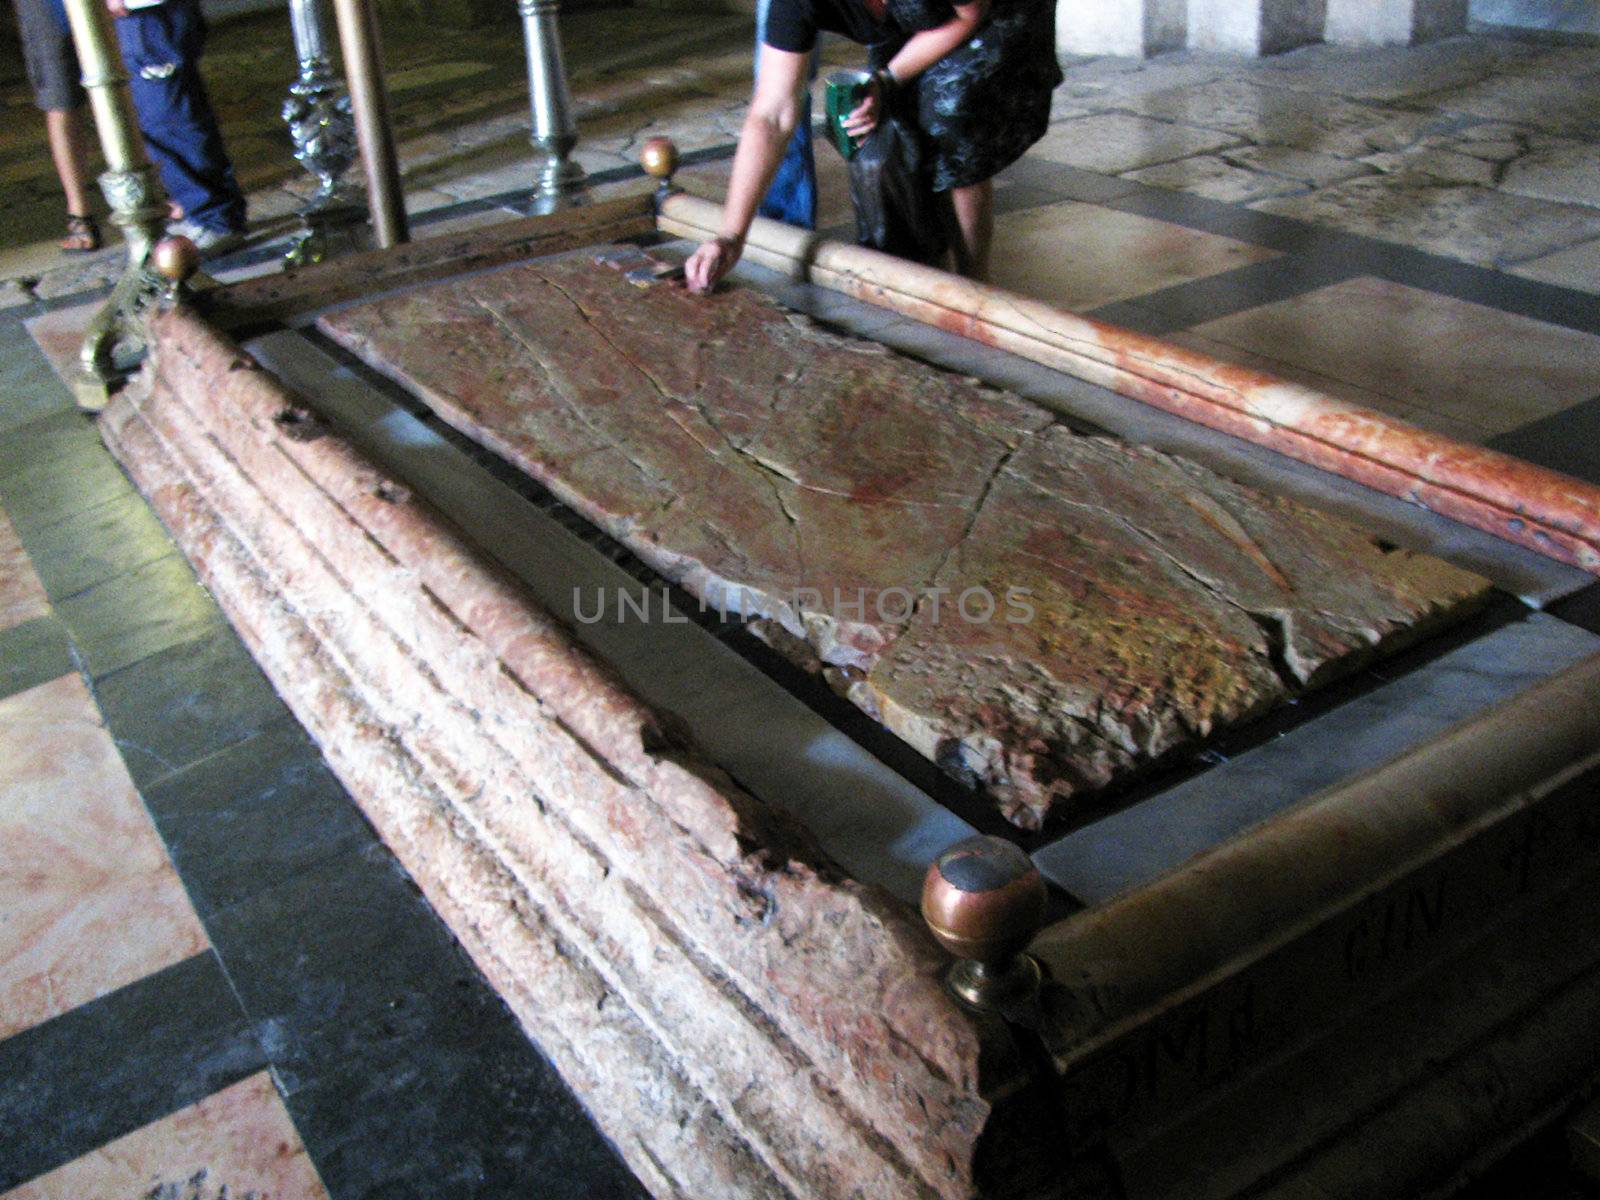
column 1041, row 612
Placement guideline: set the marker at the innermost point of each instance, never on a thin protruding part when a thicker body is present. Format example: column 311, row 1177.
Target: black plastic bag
column 891, row 190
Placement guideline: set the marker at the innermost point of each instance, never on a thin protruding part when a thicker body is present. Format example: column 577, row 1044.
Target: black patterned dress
column 982, row 105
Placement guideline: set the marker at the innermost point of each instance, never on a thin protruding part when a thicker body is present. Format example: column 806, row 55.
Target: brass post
column 317, row 112
column 115, row 336
column 369, row 101
column 555, row 133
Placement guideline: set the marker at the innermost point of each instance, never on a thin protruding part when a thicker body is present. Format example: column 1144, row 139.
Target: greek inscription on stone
column 1398, row 926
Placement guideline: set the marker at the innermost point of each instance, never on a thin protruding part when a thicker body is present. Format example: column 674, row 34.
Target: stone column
column 1137, row 28
column 1393, row 22
column 1257, row 27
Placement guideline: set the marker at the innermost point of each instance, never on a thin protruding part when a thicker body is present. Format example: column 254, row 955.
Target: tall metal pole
column 317, row 111
column 115, row 334
column 555, row 133
column 369, row 101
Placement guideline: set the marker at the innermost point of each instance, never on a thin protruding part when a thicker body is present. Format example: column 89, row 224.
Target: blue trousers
column 161, row 47
column 792, row 198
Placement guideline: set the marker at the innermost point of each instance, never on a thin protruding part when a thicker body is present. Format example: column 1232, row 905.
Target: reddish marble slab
column 1119, row 604
column 22, row 596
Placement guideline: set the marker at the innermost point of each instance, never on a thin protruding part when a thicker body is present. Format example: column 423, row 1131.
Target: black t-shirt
column 793, row 24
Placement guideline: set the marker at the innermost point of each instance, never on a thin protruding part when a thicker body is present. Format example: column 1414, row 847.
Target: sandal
column 83, row 235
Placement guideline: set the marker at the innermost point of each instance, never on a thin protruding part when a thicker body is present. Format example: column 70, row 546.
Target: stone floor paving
column 1474, row 148
column 1462, row 369
column 1081, row 256
column 91, row 900
column 236, row 1144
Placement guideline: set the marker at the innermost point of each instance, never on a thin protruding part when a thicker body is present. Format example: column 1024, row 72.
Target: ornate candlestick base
column 559, row 181
column 115, row 339
column 317, row 112
column 326, row 231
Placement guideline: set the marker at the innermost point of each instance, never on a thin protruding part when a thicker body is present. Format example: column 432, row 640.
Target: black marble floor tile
column 141, row 612
column 1227, row 220
column 1067, row 183
column 1019, row 197
column 1132, row 314
column 190, row 701
column 344, row 965
column 29, row 388
column 1251, row 286
column 54, row 467
column 1493, row 289
column 95, row 544
column 248, row 818
column 47, row 440
column 32, row 653
column 1567, row 441
column 1581, row 608
column 482, row 1118
column 118, row 1063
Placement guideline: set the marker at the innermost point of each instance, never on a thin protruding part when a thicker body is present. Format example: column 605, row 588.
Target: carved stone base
column 741, row 1019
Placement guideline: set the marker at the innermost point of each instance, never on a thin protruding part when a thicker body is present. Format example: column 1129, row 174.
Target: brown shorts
column 47, row 50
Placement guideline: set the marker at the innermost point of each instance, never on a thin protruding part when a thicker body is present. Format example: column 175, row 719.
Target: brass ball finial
column 983, row 899
column 175, row 258
column 659, row 157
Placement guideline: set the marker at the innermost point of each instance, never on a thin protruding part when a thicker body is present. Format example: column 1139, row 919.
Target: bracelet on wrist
column 887, row 83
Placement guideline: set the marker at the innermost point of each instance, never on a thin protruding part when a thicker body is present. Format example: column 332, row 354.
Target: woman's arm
column 928, row 47
column 919, row 53
column 768, row 126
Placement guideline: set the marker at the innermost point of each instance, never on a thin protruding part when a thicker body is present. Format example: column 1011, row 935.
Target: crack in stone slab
column 1067, row 610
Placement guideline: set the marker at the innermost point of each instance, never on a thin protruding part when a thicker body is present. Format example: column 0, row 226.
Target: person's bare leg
column 69, row 149
column 973, row 210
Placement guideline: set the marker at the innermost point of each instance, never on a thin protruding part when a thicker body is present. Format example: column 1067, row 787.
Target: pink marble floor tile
column 1080, row 256
column 59, row 335
column 1464, row 431
column 1440, row 362
column 22, row 596
column 89, row 901
column 236, row 1145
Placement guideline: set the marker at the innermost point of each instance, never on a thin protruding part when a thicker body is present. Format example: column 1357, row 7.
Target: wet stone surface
column 1042, row 613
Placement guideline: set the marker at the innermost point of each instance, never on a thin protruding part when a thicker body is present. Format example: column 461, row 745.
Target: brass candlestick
column 115, row 337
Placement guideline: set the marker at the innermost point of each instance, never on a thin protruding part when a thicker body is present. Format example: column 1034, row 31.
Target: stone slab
column 1435, row 164
column 1148, row 839
column 1103, row 605
column 1302, row 166
column 1114, row 255
column 878, row 826
column 1115, row 142
column 1474, row 224
column 1535, row 578
column 693, row 965
column 1576, row 267
column 1565, row 171
column 1252, row 111
column 1391, row 73
column 1548, row 94
column 1216, row 179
